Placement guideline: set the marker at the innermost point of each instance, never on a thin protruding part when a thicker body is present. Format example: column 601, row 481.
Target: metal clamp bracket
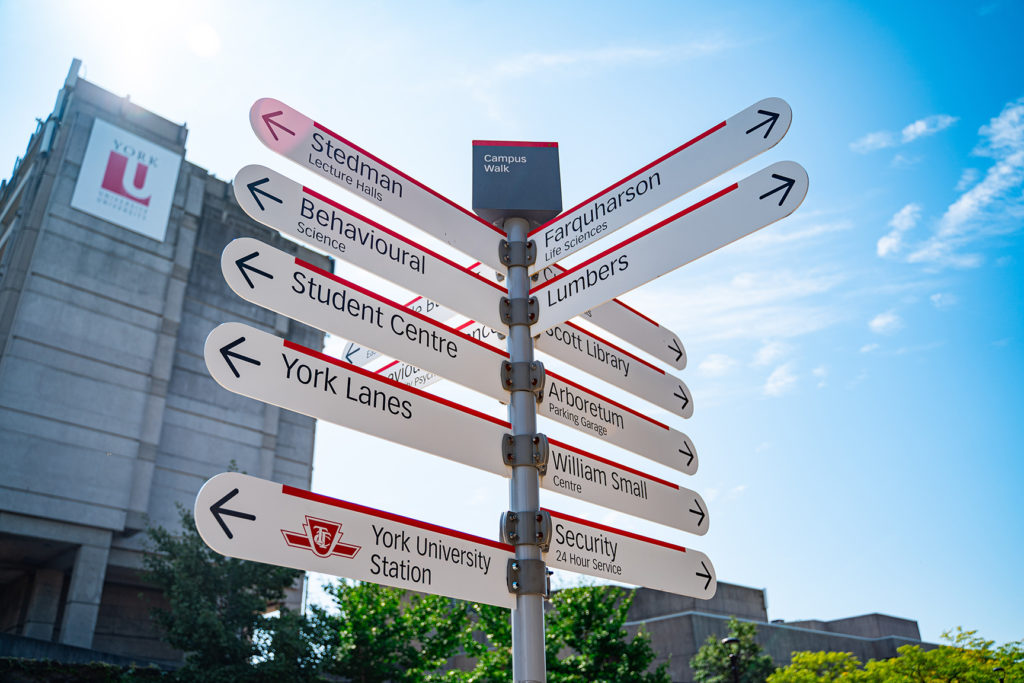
column 526, row 450
column 528, row 577
column 519, row 311
column 526, row 528
column 517, row 253
column 523, row 376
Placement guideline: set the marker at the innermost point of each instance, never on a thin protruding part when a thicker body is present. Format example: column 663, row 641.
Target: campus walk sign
column 529, row 302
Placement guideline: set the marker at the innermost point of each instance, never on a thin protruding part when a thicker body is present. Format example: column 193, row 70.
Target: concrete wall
column 108, row 416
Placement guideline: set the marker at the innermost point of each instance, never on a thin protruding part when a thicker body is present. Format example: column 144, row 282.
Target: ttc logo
column 321, row 536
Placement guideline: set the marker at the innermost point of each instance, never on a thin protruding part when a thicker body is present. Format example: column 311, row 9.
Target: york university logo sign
column 127, row 180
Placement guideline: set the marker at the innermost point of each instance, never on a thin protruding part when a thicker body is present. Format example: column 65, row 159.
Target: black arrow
column 682, row 395
column 787, row 185
column 348, row 356
column 687, row 452
column 698, row 511
column 269, row 120
column 674, row 346
column 706, row 575
column 219, row 512
column 772, row 118
column 254, row 188
column 243, row 265
column 228, row 353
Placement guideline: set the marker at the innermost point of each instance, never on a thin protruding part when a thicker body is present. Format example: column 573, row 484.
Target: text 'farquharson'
column 351, row 389
column 395, row 547
column 351, row 168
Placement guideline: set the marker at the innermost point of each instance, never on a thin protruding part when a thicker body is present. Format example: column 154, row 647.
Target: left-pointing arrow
column 269, row 120
column 228, row 354
column 219, row 512
column 243, row 265
column 254, row 188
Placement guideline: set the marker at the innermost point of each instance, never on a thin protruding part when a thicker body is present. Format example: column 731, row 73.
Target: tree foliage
column 711, row 664
column 216, row 608
column 967, row 658
column 585, row 642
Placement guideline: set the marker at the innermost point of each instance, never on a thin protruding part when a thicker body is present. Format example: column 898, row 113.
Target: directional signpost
column 254, row 519
column 516, row 185
column 722, row 218
column 718, row 149
column 578, row 545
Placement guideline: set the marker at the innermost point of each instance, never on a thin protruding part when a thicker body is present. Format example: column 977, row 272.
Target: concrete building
column 110, row 244
column 679, row 626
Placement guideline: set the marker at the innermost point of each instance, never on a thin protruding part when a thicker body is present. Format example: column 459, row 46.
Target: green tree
column 215, row 611
column 818, row 667
column 967, row 658
column 388, row 634
column 585, row 641
column 711, row 664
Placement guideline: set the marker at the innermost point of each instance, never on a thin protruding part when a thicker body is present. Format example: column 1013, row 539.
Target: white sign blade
column 615, row 365
column 255, row 519
column 591, row 478
column 318, row 149
column 311, row 218
column 259, row 365
column 361, row 355
column 632, row 326
column 573, row 405
column 292, row 287
column 411, row 375
column 718, row 149
column 724, row 217
column 608, row 553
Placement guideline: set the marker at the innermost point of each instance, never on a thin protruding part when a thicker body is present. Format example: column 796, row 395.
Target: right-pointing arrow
column 787, row 185
column 228, row 354
column 681, row 395
column 705, row 575
column 676, row 348
column 219, row 512
column 254, row 188
column 243, row 266
column 687, row 452
column 698, row 511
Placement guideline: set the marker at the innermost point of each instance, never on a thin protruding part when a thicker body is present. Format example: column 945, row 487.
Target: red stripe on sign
column 392, row 233
column 607, row 400
column 398, row 385
column 391, row 517
column 611, row 187
column 617, row 348
column 634, row 238
column 612, row 463
column 394, row 304
column 510, row 143
column 389, row 365
column 412, row 180
column 613, row 530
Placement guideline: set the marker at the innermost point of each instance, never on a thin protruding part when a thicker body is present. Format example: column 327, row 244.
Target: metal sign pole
column 527, row 569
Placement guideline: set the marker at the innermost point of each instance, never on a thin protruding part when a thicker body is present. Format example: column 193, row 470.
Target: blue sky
column 856, row 367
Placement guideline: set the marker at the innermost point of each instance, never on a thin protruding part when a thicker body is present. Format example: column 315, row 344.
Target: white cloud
column 967, row 178
column 942, row 300
column 904, row 219
column 868, row 348
column 781, row 381
column 984, row 207
column 821, row 372
column 927, row 126
column 770, row 352
column 883, row 139
column 886, row 323
column 716, row 365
